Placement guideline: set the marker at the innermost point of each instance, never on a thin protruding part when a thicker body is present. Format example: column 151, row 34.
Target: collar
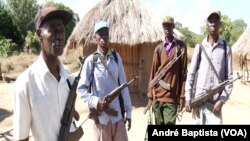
column 109, row 53
column 219, row 41
column 166, row 41
column 43, row 70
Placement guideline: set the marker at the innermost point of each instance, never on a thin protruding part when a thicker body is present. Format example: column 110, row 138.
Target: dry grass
column 12, row 66
column 71, row 60
column 17, row 63
column 190, row 52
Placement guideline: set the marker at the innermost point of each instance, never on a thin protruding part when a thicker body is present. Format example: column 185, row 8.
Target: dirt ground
column 235, row 111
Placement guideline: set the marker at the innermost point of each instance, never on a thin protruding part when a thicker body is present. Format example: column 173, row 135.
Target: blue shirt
column 206, row 76
column 103, row 84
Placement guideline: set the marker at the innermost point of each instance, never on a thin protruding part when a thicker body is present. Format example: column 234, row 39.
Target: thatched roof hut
column 242, row 45
column 241, row 49
column 134, row 32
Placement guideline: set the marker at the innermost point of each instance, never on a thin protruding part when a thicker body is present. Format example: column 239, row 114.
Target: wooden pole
column 1, row 78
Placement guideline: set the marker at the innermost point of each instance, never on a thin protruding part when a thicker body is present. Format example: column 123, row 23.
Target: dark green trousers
column 165, row 113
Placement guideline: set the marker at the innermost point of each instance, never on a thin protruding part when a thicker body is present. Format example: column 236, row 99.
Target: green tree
column 225, row 29
column 22, row 13
column 7, row 29
column 190, row 37
column 239, row 26
column 7, row 47
column 31, row 43
column 178, row 25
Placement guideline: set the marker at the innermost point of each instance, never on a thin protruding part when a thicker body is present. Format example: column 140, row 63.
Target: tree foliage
column 239, row 26
column 7, row 29
column 7, row 47
column 17, row 24
column 22, row 13
column 190, row 38
column 31, row 43
column 225, row 29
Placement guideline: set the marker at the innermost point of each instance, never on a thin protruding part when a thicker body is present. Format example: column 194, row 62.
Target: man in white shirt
column 40, row 92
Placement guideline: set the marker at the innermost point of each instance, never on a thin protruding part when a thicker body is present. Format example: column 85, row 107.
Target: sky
column 190, row 13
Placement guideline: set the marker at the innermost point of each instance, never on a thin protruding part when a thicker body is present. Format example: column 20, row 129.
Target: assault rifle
column 216, row 89
column 163, row 71
column 204, row 97
column 70, row 113
column 108, row 99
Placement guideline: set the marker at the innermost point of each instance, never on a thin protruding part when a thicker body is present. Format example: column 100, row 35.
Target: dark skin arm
column 129, row 123
column 217, row 107
column 101, row 105
column 27, row 139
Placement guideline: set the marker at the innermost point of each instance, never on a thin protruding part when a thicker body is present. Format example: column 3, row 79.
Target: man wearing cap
column 40, row 92
column 102, row 72
column 211, row 64
column 167, row 96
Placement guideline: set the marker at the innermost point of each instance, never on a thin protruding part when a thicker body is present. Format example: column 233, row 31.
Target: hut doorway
column 137, row 60
column 130, row 60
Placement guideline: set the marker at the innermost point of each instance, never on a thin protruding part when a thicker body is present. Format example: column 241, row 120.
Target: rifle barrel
column 213, row 91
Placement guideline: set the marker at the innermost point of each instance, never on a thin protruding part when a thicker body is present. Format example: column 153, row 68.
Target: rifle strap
column 210, row 62
column 108, row 69
column 117, row 82
column 70, row 87
column 179, row 52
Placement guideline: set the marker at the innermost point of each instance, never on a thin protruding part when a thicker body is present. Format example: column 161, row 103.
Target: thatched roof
column 130, row 23
column 242, row 45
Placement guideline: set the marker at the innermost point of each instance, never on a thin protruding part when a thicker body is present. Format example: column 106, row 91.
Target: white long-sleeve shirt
column 39, row 101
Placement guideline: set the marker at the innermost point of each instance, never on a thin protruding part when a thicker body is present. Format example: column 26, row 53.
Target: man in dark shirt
column 165, row 100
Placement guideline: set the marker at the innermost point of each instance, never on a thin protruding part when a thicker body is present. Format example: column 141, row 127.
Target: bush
column 31, row 44
column 7, row 47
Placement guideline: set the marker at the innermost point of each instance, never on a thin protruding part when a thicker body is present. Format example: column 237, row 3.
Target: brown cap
column 49, row 12
column 214, row 13
column 168, row 19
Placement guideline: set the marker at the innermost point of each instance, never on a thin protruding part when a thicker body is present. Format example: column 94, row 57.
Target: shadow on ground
column 139, row 100
column 7, row 135
column 4, row 114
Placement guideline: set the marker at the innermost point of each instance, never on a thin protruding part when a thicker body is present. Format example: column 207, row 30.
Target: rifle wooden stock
column 70, row 113
column 108, row 99
column 216, row 89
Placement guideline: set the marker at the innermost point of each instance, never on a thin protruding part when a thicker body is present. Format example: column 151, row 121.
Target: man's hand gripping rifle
column 207, row 95
column 70, row 113
column 94, row 113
